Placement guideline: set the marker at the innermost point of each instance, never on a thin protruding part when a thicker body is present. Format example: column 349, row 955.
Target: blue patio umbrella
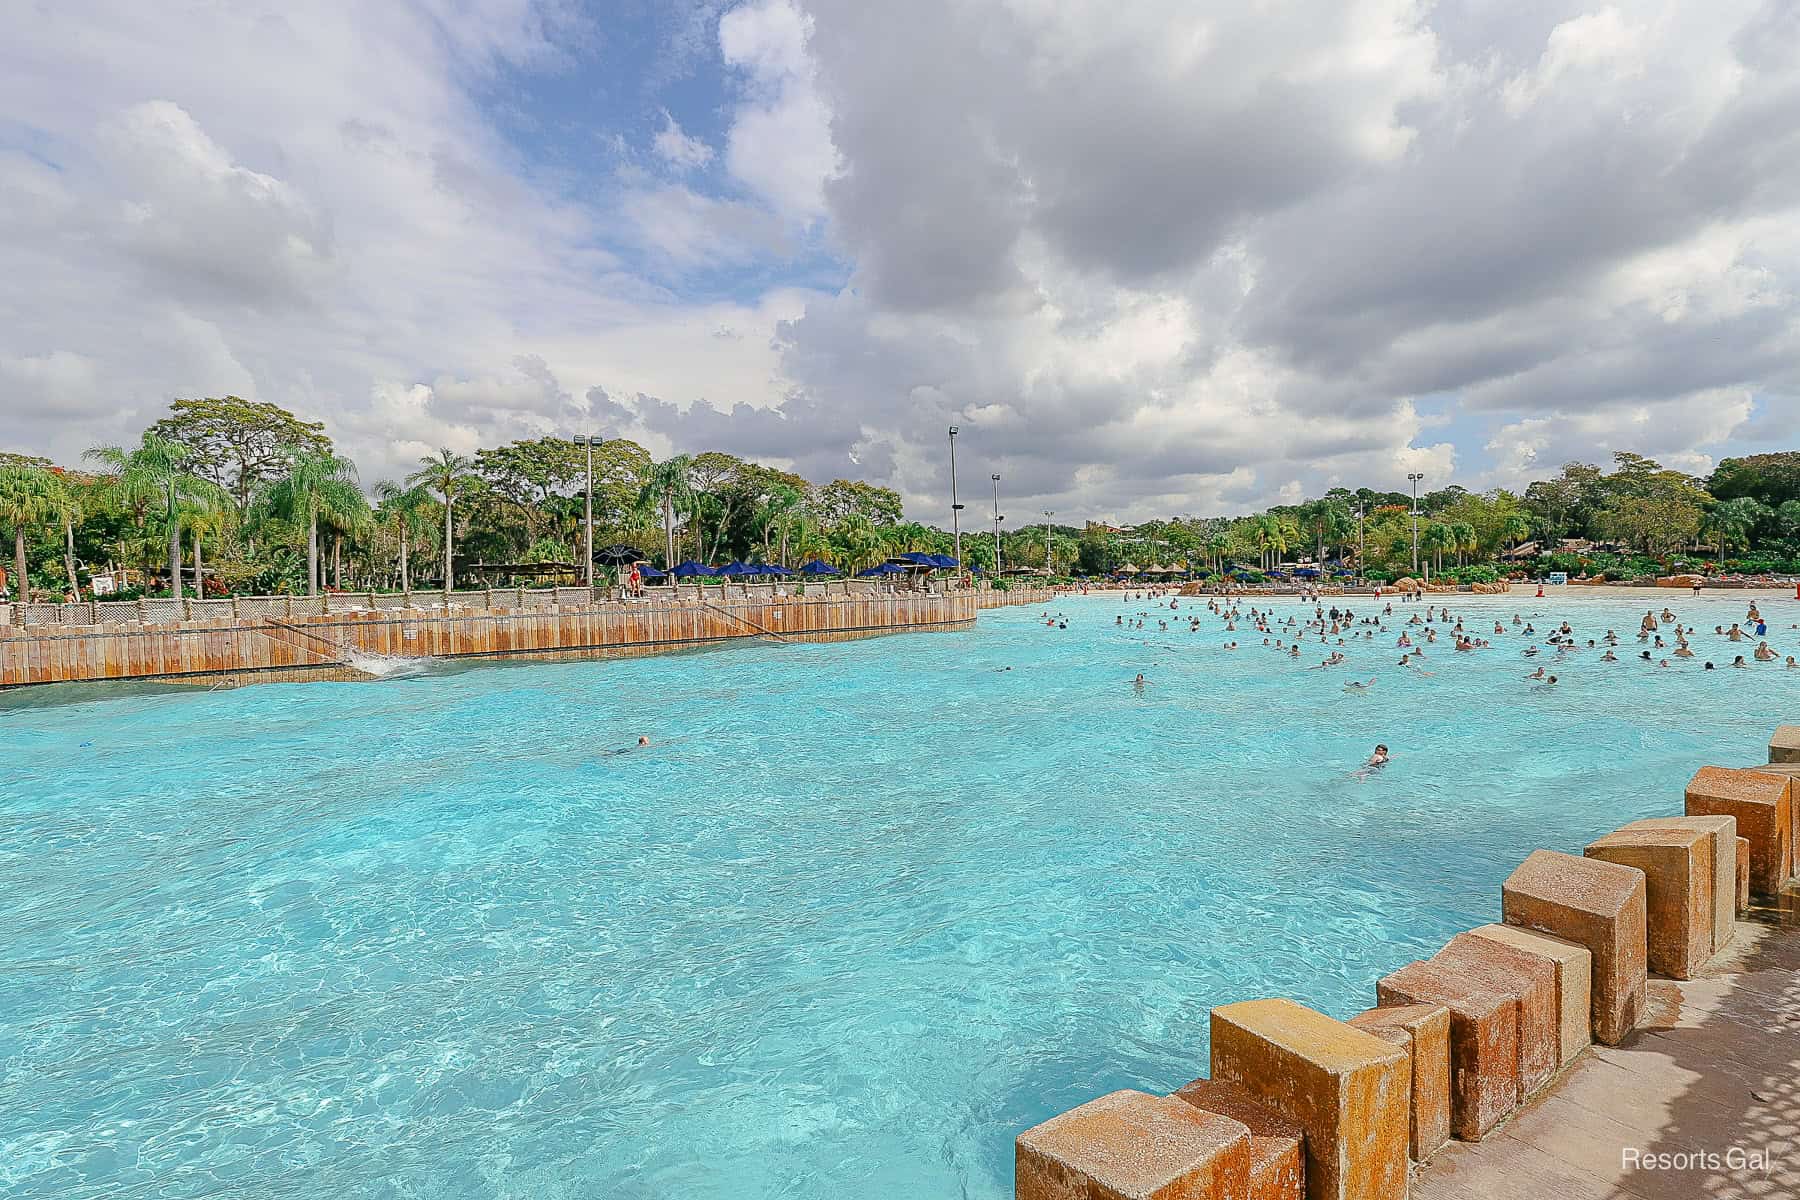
column 736, row 570
column 918, row 559
column 646, row 571
column 815, row 567
column 1307, row 572
column 691, row 569
column 945, row 561
column 771, row 568
column 883, row 569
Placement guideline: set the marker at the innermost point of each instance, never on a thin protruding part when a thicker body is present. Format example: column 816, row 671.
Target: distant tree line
column 236, row 496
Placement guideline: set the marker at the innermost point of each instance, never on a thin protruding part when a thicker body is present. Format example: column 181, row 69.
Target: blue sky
column 1158, row 258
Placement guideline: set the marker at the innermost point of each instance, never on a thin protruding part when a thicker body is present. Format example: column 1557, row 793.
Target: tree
column 1657, row 524
column 448, row 475
column 239, row 445
column 1515, row 527
column 66, row 507
column 668, row 489
column 1436, row 539
column 1787, row 518
column 317, row 484
column 842, row 497
column 1732, row 520
column 780, row 508
column 1328, row 521
column 202, row 519
column 1464, row 539
column 1773, row 479
column 402, row 509
column 157, row 471
column 1560, row 504
column 27, row 502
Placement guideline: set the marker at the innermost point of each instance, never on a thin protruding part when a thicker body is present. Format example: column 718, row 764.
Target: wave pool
column 860, row 914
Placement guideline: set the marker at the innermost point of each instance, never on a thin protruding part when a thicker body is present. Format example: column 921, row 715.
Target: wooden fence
column 326, row 645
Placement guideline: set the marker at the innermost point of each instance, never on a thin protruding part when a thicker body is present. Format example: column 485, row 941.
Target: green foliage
column 239, row 445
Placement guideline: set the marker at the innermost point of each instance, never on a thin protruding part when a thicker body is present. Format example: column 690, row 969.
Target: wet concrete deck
column 1715, row 1068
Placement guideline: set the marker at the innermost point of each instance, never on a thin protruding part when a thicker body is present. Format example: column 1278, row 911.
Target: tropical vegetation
column 226, row 496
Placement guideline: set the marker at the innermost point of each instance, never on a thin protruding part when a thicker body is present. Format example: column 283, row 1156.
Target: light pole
column 587, row 512
column 1047, row 515
column 955, row 508
column 997, row 519
column 1415, row 477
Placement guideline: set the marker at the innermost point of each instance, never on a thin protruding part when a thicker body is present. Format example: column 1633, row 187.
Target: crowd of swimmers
column 1663, row 635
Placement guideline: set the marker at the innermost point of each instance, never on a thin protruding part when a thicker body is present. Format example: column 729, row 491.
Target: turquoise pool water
column 861, row 914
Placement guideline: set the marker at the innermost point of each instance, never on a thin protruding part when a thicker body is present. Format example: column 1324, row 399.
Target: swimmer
column 1378, row 759
column 1357, row 688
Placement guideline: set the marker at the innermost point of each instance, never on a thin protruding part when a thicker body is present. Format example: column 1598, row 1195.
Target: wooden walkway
column 1716, row 1066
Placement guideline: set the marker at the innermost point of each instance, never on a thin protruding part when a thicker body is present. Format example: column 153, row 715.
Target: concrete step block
column 1678, row 886
column 1348, row 1090
column 1573, row 965
column 1596, row 904
column 1277, row 1143
column 1423, row 1031
column 1133, row 1146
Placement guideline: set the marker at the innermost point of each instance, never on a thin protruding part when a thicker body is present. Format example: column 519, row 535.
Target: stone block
column 1484, row 1040
column 1595, row 904
column 1277, row 1162
column 1532, row 981
column 1743, row 876
column 1424, row 1031
column 1677, row 893
column 1784, row 745
column 1133, row 1146
column 1348, row 1090
column 1762, row 804
column 1791, row 772
column 1721, row 863
column 1574, row 967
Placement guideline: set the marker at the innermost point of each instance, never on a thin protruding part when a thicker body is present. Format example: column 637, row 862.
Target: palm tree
column 66, row 507
column 1732, row 521
column 669, row 488
column 1515, row 528
column 1465, row 540
column 1219, row 547
column 448, row 475
column 318, row 484
column 201, row 519
column 859, row 543
column 1436, row 538
column 27, row 501
column 154, row 471
column 402, row 507
column 777, row 511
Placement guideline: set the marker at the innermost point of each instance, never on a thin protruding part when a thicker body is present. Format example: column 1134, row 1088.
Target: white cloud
column 679, row 150
column 780, row 142
column 1152, row 257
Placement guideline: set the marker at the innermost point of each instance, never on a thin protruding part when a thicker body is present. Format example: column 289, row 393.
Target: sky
column 1162, row 258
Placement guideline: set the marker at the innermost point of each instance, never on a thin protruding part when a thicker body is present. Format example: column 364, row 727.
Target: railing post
column 143, row 611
